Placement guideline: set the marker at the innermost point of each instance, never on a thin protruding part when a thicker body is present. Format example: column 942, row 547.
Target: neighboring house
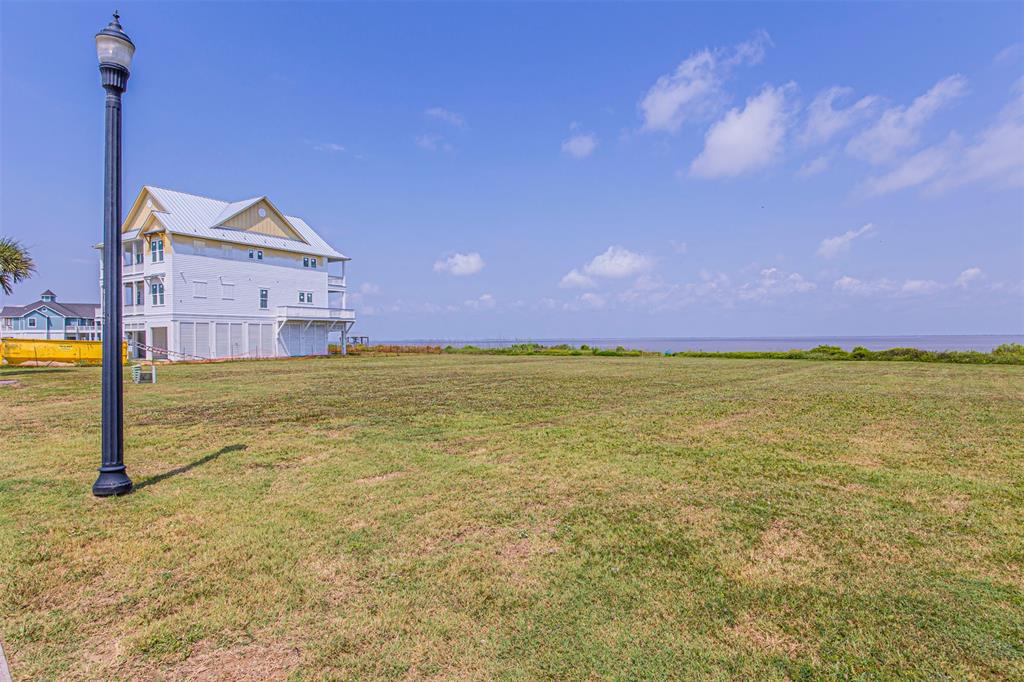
column 210, row 279
column 48, row 319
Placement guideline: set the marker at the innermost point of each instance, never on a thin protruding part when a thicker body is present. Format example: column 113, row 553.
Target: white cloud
column 329, row 147
column 574, row 279
column 484, row 302
column 1010, row 54
column 815, row 166
column 580, row 146
column 997, row 154
column 772, row 282
column 964, row 279
column 920, row 286
column 833, row 246
column 884, row 286
column 432, row 143
column 460, row 264
column 369, row 289
column 927, row 165
column 825, row 122
column 446, row 116
column 694, row 89
column 617, row 262
column 592, row 300
column 900, row 127
column 746, row 140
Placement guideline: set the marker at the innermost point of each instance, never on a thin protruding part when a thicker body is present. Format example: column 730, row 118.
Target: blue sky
column 560, row 169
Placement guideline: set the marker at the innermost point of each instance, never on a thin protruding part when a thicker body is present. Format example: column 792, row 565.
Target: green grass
column 519, row 517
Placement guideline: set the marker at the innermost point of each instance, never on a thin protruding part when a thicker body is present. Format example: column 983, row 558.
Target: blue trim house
column 48, row 319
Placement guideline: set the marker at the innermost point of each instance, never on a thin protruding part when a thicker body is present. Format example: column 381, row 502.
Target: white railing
column 336, row 281
column 301, row 312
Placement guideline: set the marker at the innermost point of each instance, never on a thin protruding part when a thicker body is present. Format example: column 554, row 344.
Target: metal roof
column 203, row 217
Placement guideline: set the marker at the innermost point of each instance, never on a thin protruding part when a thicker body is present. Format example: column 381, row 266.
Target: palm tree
column 15, row 264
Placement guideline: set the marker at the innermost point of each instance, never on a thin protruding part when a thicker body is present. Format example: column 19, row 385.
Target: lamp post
column 114, row 49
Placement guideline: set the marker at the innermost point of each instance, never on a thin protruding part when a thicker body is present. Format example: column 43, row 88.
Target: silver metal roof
column 203, row 218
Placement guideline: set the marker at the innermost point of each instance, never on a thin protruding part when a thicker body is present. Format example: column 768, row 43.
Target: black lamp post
column 114, row 49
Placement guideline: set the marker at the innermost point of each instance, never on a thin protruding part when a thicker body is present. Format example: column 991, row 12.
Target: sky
column 559, row 170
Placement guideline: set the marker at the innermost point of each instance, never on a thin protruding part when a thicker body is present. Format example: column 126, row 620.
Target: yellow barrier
column 47, row 351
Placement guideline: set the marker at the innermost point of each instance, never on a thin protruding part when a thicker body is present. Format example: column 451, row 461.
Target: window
column 140, row 293
column 259, row 255
column 252, row 254
column 264, row 295
column 127, row 258
column 302, row 297
column 305, row 297
column 262, row 212
column 312, row 262
column 309, row 297
column 305, row 261
column 129, row 297
column 199, row 245
column 139, row 257
column 198, row 288
column 31, row 322
column 157, row 292
column 8, row 322
column 227, row 291
column 156, row 248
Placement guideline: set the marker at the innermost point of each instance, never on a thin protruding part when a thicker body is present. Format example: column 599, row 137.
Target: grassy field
column 489, row 517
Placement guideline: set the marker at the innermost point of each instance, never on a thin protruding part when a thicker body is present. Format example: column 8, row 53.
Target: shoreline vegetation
column 1006, row 354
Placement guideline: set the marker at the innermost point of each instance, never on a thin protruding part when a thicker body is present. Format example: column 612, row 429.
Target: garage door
column 187, row 345
column 203, row 339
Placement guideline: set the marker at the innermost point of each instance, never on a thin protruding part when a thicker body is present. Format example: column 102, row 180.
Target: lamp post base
column 112, row 481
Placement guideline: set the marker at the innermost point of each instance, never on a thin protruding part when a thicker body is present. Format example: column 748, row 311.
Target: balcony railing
column 309, row 313
column 335, row 281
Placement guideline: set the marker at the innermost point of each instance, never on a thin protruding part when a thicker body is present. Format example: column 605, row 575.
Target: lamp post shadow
column 191, row 465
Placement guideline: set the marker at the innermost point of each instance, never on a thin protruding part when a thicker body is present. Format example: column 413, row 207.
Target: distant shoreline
column 931, row 342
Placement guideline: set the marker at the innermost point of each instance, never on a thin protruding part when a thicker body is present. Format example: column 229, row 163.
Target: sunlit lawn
column 476, row 517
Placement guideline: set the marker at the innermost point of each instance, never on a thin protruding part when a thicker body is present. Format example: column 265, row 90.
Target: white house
column 205, row 278
column 49, row 319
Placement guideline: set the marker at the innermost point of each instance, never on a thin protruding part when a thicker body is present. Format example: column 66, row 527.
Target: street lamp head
column 113, row 46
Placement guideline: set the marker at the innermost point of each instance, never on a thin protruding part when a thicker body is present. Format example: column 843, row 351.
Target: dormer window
column 252, row 254
column 312, row 262
column 259, row 255
column 305, row 261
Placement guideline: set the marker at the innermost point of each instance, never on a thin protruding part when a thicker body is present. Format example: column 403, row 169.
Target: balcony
column 286, row 313
column 335, row 282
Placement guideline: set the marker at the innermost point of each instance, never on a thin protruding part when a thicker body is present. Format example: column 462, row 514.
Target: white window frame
column 31, row 323
column 309, row 297
column 302, row 297
column 156, row 252
column 259, row 254
column 312, row 262
column 252, row 254
column 199, row 289
column 305, row 261
column 156, row 289
column 264, row 299
column 227, row 290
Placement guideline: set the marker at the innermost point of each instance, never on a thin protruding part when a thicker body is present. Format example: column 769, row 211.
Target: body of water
column 977, row 342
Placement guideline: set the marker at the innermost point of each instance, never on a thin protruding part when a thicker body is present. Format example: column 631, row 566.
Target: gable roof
column 203, row 218
column 87, row 310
